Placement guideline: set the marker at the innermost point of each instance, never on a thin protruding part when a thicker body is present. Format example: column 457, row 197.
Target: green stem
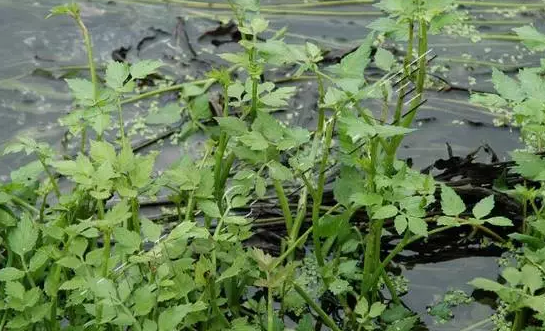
column 270, row 316
column 24, row 204
column 135, row 226
column 4, row 320
column 407, row 240
column 520, row 320
column 89, row 49
column 121, row 122
column 226, row 170
column 291, row 248
column 53, row 313
column 406, row 72
column 51, row 177
column 317, row 200
column 284, row 204
column 390, row 287
column 105, row 254
column 422, row 49
column 325, row 318
column 407, row 121
column 92, row 71
column 299, row 219
column 220, row 151
column 27, row 272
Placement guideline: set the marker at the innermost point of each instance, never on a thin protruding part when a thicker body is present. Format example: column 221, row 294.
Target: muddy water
column 31, row 100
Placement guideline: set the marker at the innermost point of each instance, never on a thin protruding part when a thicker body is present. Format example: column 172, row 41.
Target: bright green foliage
column 442, row 310
column 520, row 102
column 89, row 257
column 531, row 38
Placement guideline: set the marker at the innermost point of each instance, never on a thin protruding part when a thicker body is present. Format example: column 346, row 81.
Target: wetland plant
column 76, row 254
column 521, row 102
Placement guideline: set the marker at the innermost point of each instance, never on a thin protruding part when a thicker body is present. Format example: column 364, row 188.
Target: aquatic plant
column 77, row 253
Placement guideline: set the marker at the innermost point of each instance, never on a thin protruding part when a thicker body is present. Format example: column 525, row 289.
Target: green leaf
column 144, row 301
column 499, row 221
column 6, row 217
column 400, row 223
column 531, row 38
column 254, row 140
column 118, row 214
column 366, row 199
column 488, row 100
column 376, row 309
column 78, row 282
column 451, row 203
column 169, row 114
column 171, row 317
column 102, row 151
column 279, row 171
column 70, row 262
column 18, row 322
column 232, row 125
column 15, row 290
column 149, row 325
column 512, row 275
column 353, row 64
column 529, row 165
column 116, row 75
column 405, row 324
column 385, row 212
column 418, row 226
column 38, row 260
column 486, row 284
column 23, row 238
column 236, row 220
column 130, row 240
column 210, row 208
column 506, row 86
column 66, row 9
column 537, row 303
column 9, row 274
column 305, row 323
column 259, row 25
column 384, row 59
column 531, row 277
column 144, row 68
column 260, row 186
column 339, row 286
column 362, row 307
column 390, row 27
column 152, row 232
column 78, row 245
column 200, row 108
column 387, row 131
column 278, row 97
column 234, row 269
column 82, row 90
column 100, row 122
column 483, row 207
column 27, row 174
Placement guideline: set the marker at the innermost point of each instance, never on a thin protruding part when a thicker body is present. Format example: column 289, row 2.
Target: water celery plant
column 88, row 257
column 520, row 103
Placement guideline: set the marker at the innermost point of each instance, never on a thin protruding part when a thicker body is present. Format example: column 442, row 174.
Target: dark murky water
column 31, row 100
